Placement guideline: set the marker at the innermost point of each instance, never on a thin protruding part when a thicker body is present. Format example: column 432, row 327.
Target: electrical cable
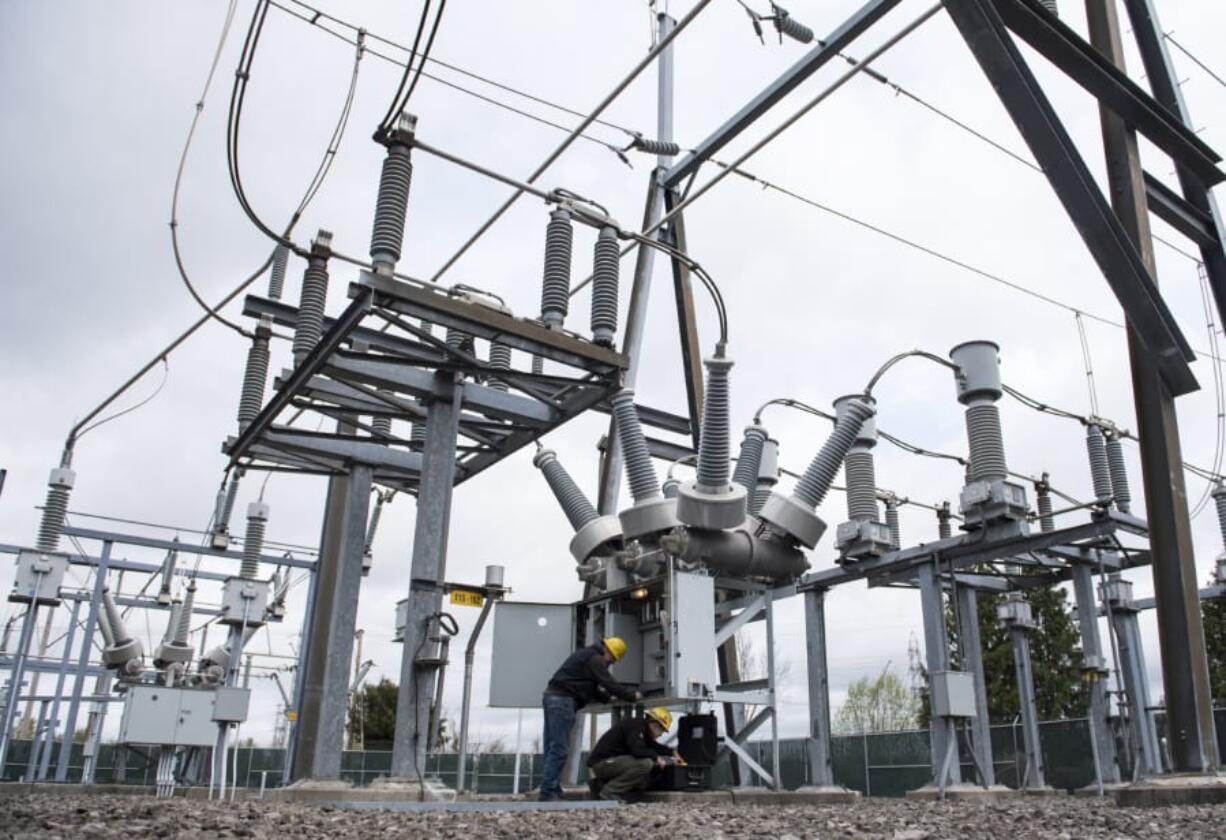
column 438, row 17
column 1219, row 393
column 174, row 201
column 1194, row 59
column 393, row 111
column 604, row 103
column 130, row 409
column 1085, row 357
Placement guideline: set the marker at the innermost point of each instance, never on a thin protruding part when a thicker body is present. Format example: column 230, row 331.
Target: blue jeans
column 559, row 721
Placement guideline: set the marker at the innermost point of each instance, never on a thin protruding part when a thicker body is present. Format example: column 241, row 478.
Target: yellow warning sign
column 466, row 598
column 291, row 716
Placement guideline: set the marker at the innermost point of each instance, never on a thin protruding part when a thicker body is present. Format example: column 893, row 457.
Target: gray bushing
column 792, row 516
column 768, row 469
column 593, row 535
column 649, row 516
column 867, row 436
column 170, row 652
column 711, row 511
column 978, row 375
column 116, row 655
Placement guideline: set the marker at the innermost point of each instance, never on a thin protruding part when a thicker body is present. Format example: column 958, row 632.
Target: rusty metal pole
column 1185, row 668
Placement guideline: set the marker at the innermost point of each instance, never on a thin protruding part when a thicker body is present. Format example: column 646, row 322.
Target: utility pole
column 1185, row 668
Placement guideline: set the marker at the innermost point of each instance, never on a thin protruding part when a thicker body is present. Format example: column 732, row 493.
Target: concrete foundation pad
column 1180, row 789
column 1109, row 789
column 757, row 796
column 963, row 793
column 1042, row 791
column 380, row 790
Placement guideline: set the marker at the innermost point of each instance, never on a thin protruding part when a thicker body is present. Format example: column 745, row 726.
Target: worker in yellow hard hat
column 582, row 679
column 622, row 760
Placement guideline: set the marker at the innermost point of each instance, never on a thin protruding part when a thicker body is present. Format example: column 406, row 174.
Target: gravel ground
column 48, row 816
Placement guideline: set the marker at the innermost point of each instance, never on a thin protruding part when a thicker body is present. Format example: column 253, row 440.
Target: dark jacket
column 585, row 677
column 630, row 737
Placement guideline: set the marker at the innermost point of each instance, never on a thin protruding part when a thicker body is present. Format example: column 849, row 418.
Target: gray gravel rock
column 52, row 816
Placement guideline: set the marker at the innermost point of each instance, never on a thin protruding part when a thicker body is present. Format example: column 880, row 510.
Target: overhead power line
column 1195, row 60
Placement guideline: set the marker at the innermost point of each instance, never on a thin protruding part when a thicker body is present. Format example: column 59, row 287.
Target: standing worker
column 583, row 678
column 623, row 758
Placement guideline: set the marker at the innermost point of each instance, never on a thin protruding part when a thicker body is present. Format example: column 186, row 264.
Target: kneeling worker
column 582, row 679
column 623, row 758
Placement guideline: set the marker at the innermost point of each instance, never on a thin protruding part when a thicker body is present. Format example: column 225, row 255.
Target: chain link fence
column 876, row 764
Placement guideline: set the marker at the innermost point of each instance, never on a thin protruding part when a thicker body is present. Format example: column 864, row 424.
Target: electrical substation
column 393, row 390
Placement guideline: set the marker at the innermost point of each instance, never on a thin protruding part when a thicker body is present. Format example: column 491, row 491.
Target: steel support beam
column 683, row 289
column 942, row 732
column 970, row 652
column 1136, row 685
column 429, row 566
column 1095, row 672
column 1033, row 775
column 44, row 760
column 1165, row 85
column 320, row 732
column 814, row 60
column 1100, row 77
column 1185, row 666
column 1106, row 238
column 821, row 763
column 78, row 681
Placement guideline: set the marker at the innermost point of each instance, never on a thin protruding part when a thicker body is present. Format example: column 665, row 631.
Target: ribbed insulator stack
column 944, row 522
column 224, row 506
column 255, row 376
column 578, row 509
column 555, row 289
column 671, row 487
column 1119, row 472
column 987, row 447
column 767, row 478
column 861, row 478
column 605, row 265
column 253, row 540
column 760, row 494
column 381, row 425
column 184, row 627
column 538, row 365
column 815, row 483
column 372, row 527
column 1100, row 469
column 168, row 571
column 644, row 484
column 891, row 522
column 749, row 461
column 713, row 444
column 1219, row 501
column 1050, row 5
column 417, row 431
column 119, row 630
column 500, row 359
column 459, row 340
column 51, row 525
column 104, row 624
column 663, row 148
column 309, row 325
column 787, row 25
column 392, row 203
column 1042, row 491
column 276, row 278
column 172, row 623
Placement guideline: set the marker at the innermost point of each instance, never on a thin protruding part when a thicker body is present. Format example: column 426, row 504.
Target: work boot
column 594, row 785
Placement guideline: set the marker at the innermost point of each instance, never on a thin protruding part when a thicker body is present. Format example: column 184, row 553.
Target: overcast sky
column 98, row 99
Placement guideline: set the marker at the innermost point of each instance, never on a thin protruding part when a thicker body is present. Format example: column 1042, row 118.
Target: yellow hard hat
column 615, row 646
column 661, row 716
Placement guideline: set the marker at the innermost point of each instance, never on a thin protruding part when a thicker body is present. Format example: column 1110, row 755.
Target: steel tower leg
column 44, row 761
column 429, row 566
column 1095, row 669
column 78, row 682
column 971, row 650
column 821, row 767
column 1034, row 776
column 936, row 650
column 1132, row 663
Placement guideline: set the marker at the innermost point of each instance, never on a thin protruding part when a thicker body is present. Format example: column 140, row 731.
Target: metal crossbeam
column 985, row 33
column 1086, row 66
column 813, row 61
